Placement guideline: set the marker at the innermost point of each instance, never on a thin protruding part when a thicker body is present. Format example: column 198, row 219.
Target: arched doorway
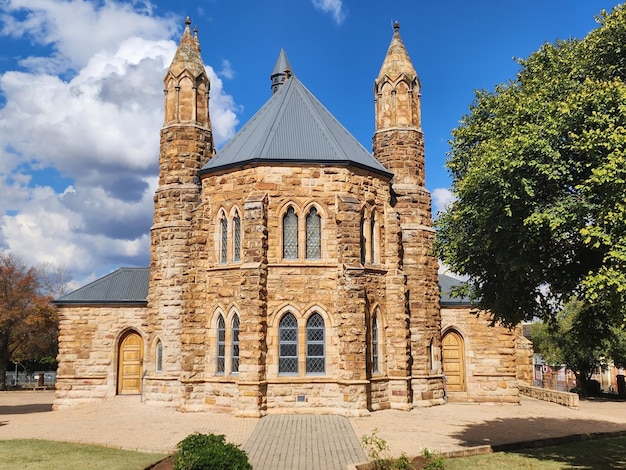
column 130, row 362
column 453, row 358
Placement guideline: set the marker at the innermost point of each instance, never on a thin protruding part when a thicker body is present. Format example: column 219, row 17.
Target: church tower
column 398, row 144
column 186, row 145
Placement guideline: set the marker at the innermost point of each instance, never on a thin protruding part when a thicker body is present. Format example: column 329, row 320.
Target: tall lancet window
column 221, row 345
column 375, row 366
column 236, row 237
column 223, row 238
column 288, row 345
column 235, row 346
column 363, row 246
column 290, row 234
column 315, row 345
column 373, row 237
column 313, row 235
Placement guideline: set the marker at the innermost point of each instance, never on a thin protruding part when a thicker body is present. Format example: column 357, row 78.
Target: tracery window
column 158, row 353
column 221, row 345
column 236, row 237
column 235, row 346
column 315, row 345
column 290, row 234
column 288, row 345
column 223, row 238
column 313, row 235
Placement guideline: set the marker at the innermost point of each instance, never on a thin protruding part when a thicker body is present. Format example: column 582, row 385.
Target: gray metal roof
column 446, row 285
column 130, row 285
column 123, row 286
column 293, row 127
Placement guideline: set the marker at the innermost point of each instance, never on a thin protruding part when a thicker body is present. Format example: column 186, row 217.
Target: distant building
column 291, row 270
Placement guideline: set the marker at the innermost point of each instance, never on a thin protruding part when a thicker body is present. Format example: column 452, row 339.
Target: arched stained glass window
column 290, row 234
column 236, row 237
column 315, row 345
column 221, row 345
column 288, row 345
column 158, row 366
column 223, row 238
column 313, row 235
column 235, row 345
column 375, row 365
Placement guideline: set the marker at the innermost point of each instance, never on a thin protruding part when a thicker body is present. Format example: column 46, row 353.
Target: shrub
column 378, row 451
column 433, row 462
column 209, row 452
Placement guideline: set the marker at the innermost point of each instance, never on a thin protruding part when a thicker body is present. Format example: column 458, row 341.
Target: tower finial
column 396, row 26
column 187, row 21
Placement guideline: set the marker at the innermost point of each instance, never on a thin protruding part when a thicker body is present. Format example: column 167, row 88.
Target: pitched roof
column 446, row 285
column 293, row 127
column 123, row 286
column 130, row 285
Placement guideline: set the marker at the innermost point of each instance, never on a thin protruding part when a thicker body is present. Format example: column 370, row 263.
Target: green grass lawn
column 46, row 455
column 597, row 454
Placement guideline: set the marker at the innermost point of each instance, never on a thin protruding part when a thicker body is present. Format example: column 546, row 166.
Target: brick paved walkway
column 306, row 442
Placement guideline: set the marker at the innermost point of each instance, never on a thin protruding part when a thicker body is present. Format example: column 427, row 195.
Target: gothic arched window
column 221, row 345
column 313, row 235
column 375, row 365
column 223, row 238
column 236, row 237
column 235, row 346
column 288, row 345
column 158, row 356
column 290, row 234
column 315, row 345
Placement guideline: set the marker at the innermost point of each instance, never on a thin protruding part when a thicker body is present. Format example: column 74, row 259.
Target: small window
column 236, row 238
column 158, row 366
column 235, row 346
column 288, row 345
column 315, row 355
column 363, row 239
column 223, row 239
column 375, row 366
column 290, row 234
column 221, row 345
column 313, row 235
column 372, row 240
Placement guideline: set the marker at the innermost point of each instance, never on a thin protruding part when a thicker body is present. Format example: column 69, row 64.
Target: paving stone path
column 306, row 442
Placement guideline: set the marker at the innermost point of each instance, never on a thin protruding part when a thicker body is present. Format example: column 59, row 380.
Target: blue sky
column 81, row 95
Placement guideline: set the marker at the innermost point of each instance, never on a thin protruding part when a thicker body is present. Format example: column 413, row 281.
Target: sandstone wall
column 88, row 349
column 489, row 356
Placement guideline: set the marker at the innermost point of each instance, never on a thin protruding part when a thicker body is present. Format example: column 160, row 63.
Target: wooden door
column 453, row 361
column 130, row 364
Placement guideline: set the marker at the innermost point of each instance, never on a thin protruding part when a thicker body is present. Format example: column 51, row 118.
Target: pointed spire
column 187, row 55
column 397, row 60
column 281, row 72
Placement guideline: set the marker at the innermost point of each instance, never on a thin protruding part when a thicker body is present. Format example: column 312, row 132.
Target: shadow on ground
column 505, row 431
column 24, row 409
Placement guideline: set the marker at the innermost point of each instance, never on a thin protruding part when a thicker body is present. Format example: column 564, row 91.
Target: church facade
column 291, row 270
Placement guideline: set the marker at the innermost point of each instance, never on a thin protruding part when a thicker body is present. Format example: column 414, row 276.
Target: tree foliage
column 539, row 176
column 28, row 320
column 576, row 338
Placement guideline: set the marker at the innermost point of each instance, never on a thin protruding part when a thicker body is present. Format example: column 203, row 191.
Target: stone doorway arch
column 453, row 359
column 129, row 363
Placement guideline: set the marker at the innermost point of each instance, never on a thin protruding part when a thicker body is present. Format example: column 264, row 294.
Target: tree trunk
column 4, row 360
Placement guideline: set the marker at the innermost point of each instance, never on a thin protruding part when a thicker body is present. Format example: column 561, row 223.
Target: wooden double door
column 453, row 359
column 130, row 364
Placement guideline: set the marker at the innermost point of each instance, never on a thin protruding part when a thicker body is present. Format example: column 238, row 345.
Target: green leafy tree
column 572, row 338
column 539, row 177
column 28, row 320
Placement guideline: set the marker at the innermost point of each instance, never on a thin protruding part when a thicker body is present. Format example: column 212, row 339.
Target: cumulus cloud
column 442, row 198
column 88, row 108
column 334, row 7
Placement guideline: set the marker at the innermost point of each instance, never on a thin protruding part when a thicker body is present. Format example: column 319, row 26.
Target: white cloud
column 442, row 198
column 334, row 7
column 90, row 110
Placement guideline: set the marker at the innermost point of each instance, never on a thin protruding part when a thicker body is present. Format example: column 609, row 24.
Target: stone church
column 291, row 270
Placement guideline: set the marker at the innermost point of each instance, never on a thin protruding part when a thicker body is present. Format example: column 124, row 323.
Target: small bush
column 209, row 452
column 433, row 462
column 378, row 451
